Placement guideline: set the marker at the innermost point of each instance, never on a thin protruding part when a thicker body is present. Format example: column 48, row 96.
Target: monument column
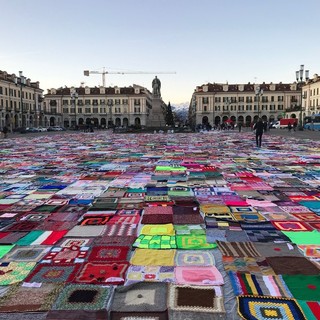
column 157, row 112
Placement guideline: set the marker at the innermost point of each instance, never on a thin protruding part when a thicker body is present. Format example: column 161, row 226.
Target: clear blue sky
column 238, row 41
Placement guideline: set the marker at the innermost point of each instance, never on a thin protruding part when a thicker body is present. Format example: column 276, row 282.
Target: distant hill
column 181, row 110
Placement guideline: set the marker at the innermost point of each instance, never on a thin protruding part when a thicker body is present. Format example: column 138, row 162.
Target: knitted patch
column 12, row 272
column 150, row 257
column 103, row 273
column 53, row 273
column 310, row 251
column 155, row 242
column 266, row 236
column 150, row 273
column 201, row 276
column 23, row 226
column 189, row 229
column 83, row 297
column 291, row 226
column 25, row 299
column 29, row 253
column 254, row 217
column 94, row 220
column 193, row 242
column 140, row 297
column 66, row 255
column 238, row 249
column 303, row 287
column 120, row 230
column 124, row 241
column 187, row 218
column 108, row 253
column 315, row 225
column 267, row 308
column 76, row 242
column 246, row 283
column 194, row 299
column 292, row 265
column 257, row 266
column 194, row 258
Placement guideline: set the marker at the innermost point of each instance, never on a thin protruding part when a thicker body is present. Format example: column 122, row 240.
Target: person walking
column 295, row 125
column 289, row 126
column 239, row 126
column 5, row 131
column 259, row 127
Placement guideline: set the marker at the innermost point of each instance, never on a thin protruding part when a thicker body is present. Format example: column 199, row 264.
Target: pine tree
column 169, row 116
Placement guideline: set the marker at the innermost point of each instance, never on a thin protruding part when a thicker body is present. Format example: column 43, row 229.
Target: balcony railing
column 296, row 108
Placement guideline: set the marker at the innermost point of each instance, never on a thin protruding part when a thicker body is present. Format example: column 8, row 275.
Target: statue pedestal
column 157, row 114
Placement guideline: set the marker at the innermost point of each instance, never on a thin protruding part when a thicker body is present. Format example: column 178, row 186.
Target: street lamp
column 74, row 95
column 258, row 93
column 21, row 81
column 110, row 104
column 300, row 80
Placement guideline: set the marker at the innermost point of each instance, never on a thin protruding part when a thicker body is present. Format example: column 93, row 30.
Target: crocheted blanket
column 194, row 242
column 150, row 273
column 257, row 307
column 140, row 297
column 246, row 283
column 150, row 257
column 155, row 242
column 201, row 276
column 195, row 299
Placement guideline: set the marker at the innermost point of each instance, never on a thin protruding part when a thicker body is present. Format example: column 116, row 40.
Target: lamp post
column 258, row 93
column 300, row 80
column 74, row 95
column 21, row 82
column 110, row 104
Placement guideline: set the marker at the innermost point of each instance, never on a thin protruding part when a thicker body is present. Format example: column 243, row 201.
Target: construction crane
column 104, row 72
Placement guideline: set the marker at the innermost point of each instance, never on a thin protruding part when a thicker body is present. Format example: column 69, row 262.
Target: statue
column 156, row 86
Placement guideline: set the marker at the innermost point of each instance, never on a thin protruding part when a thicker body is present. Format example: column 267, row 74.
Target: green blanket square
column 194, row 242
column 155, row 242
column 303, row 287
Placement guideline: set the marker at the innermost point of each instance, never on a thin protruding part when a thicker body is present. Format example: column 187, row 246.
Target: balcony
column 291, row 109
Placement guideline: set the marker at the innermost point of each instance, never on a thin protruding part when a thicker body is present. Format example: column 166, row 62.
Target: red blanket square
column 108, row 253
column 103, row 273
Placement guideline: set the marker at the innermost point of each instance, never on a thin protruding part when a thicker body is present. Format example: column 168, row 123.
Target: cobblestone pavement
column 305, row 134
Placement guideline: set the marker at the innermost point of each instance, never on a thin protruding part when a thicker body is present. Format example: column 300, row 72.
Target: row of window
column 98, row 111
column 96, row 102
column 315, row 92
column 16, row 93
column 16, row 105
column 245, row 108
column 230, row 100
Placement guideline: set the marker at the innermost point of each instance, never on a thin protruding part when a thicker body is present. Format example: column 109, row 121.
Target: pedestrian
column 289, row 126
column 239, row 126
column 5, row 131
column 295, row 126
column 258, row 127
column 265, row 126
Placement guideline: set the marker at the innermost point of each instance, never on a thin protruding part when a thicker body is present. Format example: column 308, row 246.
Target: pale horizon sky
column 203, row 41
